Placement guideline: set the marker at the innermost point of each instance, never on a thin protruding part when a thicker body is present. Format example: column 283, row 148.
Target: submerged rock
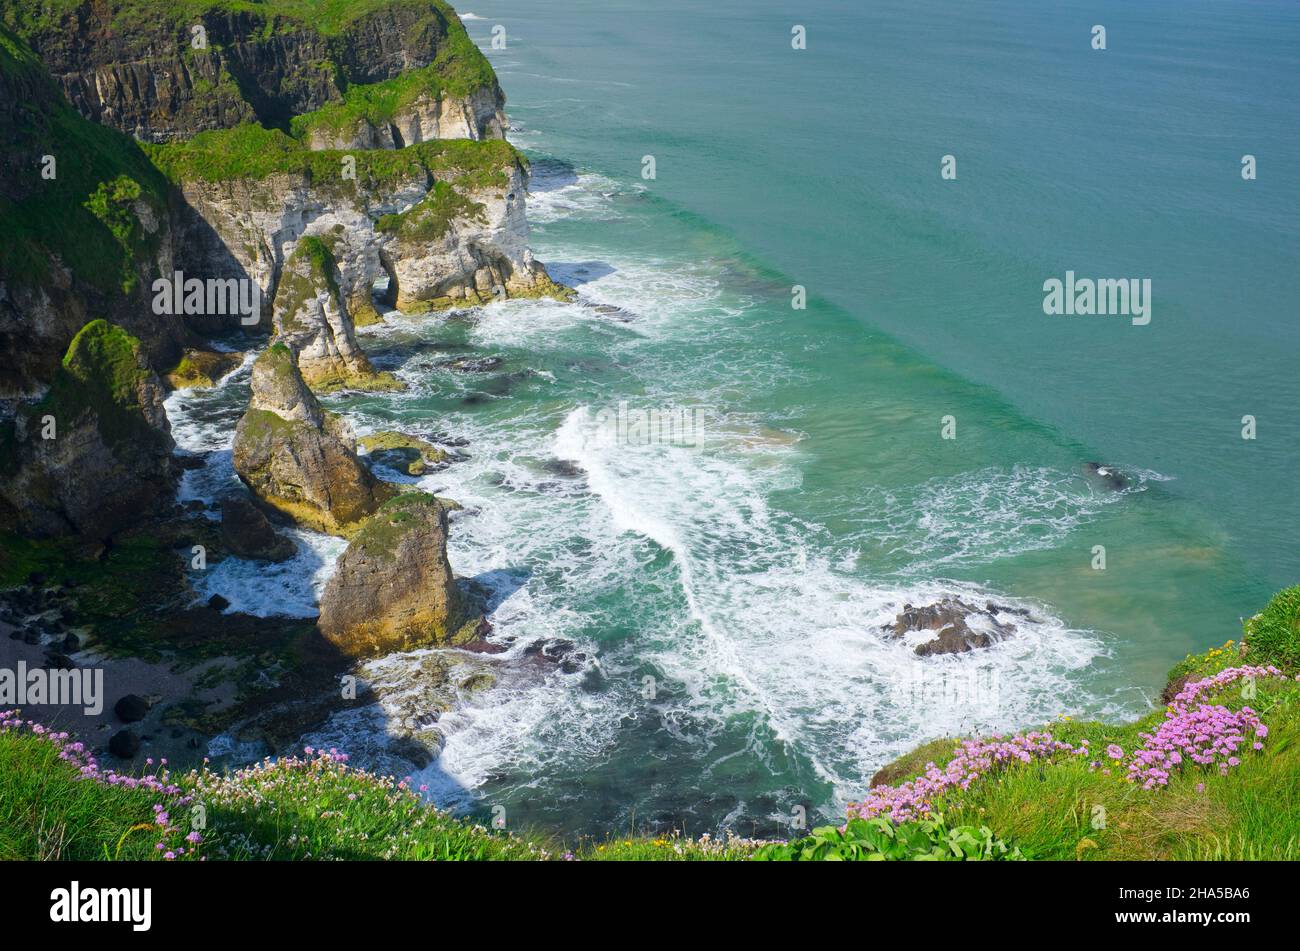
column 393, row 588
column 951, row 618
column 1109, row 477
column 408, row 454
column 297, row 458
column 247, row 533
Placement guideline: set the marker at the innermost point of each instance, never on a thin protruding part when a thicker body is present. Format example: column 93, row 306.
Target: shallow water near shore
column 748, row 575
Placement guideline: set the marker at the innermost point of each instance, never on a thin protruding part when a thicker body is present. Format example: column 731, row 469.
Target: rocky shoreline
column 393, row 188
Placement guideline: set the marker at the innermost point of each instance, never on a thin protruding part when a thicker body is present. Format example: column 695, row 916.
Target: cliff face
column 443, row 223
column 233, row 187
column 84, row 229
column 134, row 65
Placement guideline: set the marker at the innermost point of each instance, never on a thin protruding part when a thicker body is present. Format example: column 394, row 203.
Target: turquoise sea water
column 749, row 575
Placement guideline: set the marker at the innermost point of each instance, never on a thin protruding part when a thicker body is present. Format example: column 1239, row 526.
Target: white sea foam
column 781, row 629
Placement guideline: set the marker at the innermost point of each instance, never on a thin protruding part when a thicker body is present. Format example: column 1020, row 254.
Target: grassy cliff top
column 251, row 151
column 328, row 17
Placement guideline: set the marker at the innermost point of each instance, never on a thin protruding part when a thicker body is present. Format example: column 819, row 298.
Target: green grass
column 328, row 17
column 1050, row 808
column 431, row 218
column 298, row 808
column 1274, row 633
column 250, row 151
column 48, row 813
column 458, row 69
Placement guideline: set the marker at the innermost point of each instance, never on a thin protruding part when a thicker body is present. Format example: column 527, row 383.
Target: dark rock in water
column 71, row 644
column 950, row 617
column 58, row 661
column 1108, row 476
column 124, row 744
column 563, row 467
column 476, row 399
column 196, row 506
column 218, row 603
column 188, row 462
column 473, row 364
column 616, row 313
column 31, row 636
column 131, row 708
column 16, row 634
column 247, row 532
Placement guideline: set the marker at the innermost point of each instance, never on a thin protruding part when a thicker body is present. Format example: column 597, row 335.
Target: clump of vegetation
column 250, row 151
column 431, row 218
column 1273, row 635
column 866, row 840
column 58, row 804
column 459, row 69
column 103, row 371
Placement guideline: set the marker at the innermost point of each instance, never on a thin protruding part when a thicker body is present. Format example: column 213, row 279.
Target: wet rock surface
column 958, row 625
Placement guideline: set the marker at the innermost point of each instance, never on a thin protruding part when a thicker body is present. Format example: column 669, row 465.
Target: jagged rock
column 461, row 240
column 426, row 116
column 218, row 603
column 311, row 317
column 132, row 708
column 408, row 454
column 199, row 368
column 464, row 246
column 247, row 533
column 107, row 460
column 951, row 618
column 393, row 588
column 296, row 457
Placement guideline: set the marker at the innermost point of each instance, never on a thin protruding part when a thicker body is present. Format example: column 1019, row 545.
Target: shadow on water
column 577, row 273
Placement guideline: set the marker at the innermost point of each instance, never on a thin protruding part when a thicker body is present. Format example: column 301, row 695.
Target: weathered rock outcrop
column 311, row 318
column 443, row 222
column 393, row 588
column 94, row 455
column 952, row 618
column 421, row 116
column 465, row 246
column 247, row 533
column 299, row 459
column 164, row 72
column 202, row 368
